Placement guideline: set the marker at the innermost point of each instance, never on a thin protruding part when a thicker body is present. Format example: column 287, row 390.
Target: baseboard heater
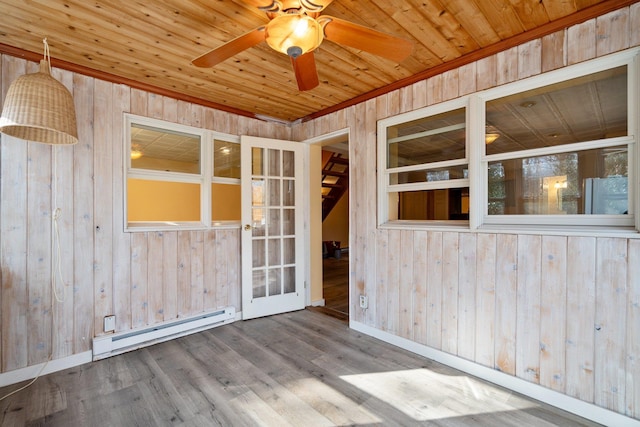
column 110, row 345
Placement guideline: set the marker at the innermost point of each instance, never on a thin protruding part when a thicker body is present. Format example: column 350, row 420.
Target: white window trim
column 384, row 173
column 205, row 178
column 478, row 161
column 479, row 203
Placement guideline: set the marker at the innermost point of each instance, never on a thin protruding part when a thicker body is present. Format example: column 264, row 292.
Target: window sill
column 562, row 230
column 426, row 225
column 225, row 225
column 143, row 226
column 546, row 230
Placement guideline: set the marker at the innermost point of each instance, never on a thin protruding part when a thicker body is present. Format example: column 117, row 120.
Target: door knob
column 247, row 227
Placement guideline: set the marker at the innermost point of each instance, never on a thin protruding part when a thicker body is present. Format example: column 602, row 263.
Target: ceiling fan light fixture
column 490, row 137
column 294, row 34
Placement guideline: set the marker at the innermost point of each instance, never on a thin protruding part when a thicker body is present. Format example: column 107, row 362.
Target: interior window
column 584, row 182
column 166, row 184
column 225, row 186
column 164, row 150
column 226, row 159
column 435, row 205
column 556, row 150
column 162, row 201
column 426, row 168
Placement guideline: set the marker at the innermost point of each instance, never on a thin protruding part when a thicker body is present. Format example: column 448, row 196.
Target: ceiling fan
column 297, row 28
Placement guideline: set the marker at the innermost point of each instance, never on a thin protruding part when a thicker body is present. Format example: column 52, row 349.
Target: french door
column 272, row 227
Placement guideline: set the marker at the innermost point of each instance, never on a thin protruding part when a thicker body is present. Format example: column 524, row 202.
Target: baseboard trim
column 318, row 303
column 30, row 372
column 534, row 391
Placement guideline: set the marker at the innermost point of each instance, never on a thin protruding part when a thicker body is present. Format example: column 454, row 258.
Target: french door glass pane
column 258, row 253
column 257, row 192
column 289, row 280
column 288, row 164
column 257, row 211
column 274, row 192
column 288, row 222
column 289, row 251
column 274, row 222
column 275, row 281
column 289, row 196
column 258, row 223
column 257, row 160
column 259, row 284
column 274, row 252
column 274, row 162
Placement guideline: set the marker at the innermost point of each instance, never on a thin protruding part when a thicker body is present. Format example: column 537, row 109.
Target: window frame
column 384, row 172
column 478, row 160
column 204, row 179
column 481, row 201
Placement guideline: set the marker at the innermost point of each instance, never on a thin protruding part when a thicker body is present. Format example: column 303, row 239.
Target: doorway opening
column 335, row 228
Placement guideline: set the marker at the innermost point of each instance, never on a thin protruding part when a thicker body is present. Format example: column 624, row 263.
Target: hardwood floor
column 335, row 287
column 295, row 369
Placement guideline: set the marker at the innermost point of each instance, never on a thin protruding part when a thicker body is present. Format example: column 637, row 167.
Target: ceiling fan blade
column 315, row 5
column 265, row 5
column 364, row 38
column 280, row 5
column 304, row 67
column 229, row 49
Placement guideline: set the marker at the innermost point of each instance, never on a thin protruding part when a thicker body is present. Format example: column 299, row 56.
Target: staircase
column 335, row 181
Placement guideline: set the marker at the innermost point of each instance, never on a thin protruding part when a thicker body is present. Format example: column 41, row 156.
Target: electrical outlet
column 110, row 323
column 364, row 301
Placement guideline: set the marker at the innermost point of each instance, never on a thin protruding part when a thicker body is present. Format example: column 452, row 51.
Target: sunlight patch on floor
column 302, row 402
column 426, row 395
column 334, row 405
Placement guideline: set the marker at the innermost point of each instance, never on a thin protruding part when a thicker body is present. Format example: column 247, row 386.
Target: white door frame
column 313, row 189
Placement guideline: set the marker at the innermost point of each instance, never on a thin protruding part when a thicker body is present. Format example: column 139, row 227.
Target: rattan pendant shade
column 39, row 108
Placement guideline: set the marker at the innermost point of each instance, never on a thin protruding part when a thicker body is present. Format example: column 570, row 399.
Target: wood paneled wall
column 559, row 311
column 142, row 277
column 563, row 312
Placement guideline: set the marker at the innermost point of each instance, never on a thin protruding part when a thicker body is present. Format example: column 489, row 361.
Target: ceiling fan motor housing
column 294, row 51
column 294, row 34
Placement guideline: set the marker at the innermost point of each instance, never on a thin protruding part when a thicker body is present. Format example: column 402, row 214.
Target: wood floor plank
column 296, row 369
column 335, row 286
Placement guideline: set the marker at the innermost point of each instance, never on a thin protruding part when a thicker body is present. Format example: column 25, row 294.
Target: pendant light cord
column 56, row 270
column 56, row 252
column 47, row 54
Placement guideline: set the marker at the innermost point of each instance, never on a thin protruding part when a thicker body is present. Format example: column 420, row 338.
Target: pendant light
column 40, row 108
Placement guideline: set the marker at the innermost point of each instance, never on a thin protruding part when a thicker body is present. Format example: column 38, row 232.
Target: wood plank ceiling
column 150, row 44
